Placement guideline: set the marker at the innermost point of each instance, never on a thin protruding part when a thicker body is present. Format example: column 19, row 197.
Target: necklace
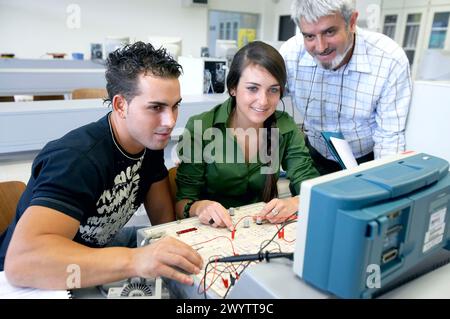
column 339, row 109
column 118, row 147
column 321, row 100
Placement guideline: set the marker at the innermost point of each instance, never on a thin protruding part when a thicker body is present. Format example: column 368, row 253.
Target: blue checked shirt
column 367, row 100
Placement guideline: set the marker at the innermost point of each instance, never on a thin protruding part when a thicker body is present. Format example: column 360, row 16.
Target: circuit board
column 212, row 243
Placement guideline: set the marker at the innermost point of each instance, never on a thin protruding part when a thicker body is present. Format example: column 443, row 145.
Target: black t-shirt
column 88, row 176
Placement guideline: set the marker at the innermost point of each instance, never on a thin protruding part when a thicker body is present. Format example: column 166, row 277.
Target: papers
column 340, row 149
column 7, row 291
column 344, row 151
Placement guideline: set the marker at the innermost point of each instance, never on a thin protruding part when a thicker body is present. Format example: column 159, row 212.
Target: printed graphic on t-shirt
column 114, row 207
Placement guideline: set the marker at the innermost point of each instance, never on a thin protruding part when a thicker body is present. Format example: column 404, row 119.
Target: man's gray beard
column 336, row 61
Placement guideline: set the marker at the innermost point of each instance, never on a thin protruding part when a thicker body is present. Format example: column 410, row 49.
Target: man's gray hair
column 312, row 10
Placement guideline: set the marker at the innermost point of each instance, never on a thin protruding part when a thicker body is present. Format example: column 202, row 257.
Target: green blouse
column 234, row 182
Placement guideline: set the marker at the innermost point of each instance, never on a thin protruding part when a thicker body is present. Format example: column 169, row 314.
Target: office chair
column 87, row 93
column 10, row 193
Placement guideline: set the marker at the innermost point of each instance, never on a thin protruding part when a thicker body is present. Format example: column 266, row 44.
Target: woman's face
column 257, row 96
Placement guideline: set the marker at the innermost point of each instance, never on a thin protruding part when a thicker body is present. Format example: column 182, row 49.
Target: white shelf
column 27, row 126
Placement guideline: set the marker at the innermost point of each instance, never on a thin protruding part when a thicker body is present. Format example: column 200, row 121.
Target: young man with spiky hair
column 85, row 186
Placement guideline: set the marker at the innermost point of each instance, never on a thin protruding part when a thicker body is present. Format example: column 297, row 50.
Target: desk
column 213, row 242
column 49, row 77
column 263, row 281
column 275, row 279
column 7, row 291
column 27, row 126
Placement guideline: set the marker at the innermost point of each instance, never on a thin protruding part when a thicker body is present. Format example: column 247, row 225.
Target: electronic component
column 390, row 213
column 212, row 242
column 225, row 282
column 135, row 288
column 187, row 230
column 151, row 237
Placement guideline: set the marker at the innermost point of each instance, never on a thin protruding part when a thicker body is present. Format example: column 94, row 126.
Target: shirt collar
column 223, row 113
column 305, row 59
column 359, row 61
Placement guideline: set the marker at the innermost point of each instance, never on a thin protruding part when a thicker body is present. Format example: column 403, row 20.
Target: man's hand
column 164, row 257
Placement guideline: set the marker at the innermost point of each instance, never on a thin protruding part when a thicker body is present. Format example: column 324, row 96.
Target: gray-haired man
column 348, row 80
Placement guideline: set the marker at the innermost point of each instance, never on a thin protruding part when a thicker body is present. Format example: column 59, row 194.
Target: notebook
column 340, row 149
column 8, row 291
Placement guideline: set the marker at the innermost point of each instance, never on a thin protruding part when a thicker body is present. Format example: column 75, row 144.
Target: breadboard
column 214, row 243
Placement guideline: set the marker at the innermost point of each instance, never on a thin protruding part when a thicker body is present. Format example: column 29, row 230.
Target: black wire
column 275, row 242
column 284, row 224
column 340, row 97
column 218, row 276
column 229, row 287
column 309, row 96
column 212, row 259
column 254, row 257
column 287, row 222
column 308, row 100
column 204, row 280
column 204, row 276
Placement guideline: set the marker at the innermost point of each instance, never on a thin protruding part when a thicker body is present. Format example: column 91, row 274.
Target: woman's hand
column 278, row 210
column 212, row 213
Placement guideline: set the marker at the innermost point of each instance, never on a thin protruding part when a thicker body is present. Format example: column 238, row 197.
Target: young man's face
column 151, row 115
column 329, row 40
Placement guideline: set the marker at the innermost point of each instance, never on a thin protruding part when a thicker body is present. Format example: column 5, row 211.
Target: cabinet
column 417, row 25
column 437, row 36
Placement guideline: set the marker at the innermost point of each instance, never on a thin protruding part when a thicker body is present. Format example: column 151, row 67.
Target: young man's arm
column 158, row 203
column 42, row 255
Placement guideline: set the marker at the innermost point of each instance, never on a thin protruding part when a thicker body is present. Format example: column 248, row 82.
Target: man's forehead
column 322, row 23
column 160, row 88
column 150, row 79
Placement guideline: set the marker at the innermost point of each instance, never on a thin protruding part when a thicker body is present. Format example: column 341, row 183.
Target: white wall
column 369, row 14
column 427, row 129
column 283, row 7
column 31, row 28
